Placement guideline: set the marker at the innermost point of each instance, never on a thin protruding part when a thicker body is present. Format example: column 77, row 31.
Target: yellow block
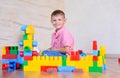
column 28, row 43
column 32, row 68
column 102, row 50
column 30, row 37
column 30, row 29
column 100, row 61
column 3, row 51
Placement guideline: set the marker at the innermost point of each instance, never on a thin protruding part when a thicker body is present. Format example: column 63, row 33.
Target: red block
column 28, row 57
column 80, row 51
column 7, row 49
column 119, row 60
column 94, row 45
column 5, row 66
column 95, row 58
column 45, row 68
column 34, row 53
column 9, row 56
column 21, row 53
column 75, row 56
column 17, row 65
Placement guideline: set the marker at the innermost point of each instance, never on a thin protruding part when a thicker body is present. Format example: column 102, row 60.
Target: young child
column 62, row 41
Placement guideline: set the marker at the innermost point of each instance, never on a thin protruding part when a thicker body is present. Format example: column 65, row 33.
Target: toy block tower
column 28, row 45
column 28, row 42
column 9, row 58
column 97, row 60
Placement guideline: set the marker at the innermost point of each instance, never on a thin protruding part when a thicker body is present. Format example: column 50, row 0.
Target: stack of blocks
column 30, row 60
column 9, row 56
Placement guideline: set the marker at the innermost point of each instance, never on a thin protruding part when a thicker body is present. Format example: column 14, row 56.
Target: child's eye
column 59, row 19
column 54, row 20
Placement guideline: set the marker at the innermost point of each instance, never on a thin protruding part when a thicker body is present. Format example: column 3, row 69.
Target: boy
column 62, row 41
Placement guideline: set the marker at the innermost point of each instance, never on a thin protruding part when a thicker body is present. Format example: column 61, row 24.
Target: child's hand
column 50, row 48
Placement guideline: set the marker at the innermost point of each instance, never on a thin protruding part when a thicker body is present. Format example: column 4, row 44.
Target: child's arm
column 62, row 50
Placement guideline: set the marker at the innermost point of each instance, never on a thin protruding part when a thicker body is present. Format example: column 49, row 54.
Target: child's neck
column 58, row 29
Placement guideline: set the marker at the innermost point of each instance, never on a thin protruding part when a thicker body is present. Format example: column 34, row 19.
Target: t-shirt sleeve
column 67, row 39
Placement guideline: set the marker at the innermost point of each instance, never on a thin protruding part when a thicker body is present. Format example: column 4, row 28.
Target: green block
column 95, row 69
column 25, row 37
column 14, row 50
column 26, row 48
column 98, row 52
column 25, row 63
column 63, row 60
column 94, row 63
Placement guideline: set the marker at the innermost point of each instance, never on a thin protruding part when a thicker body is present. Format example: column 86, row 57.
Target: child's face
column 58, row 21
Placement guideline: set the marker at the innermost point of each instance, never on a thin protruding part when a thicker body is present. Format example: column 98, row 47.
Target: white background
column 94, row 20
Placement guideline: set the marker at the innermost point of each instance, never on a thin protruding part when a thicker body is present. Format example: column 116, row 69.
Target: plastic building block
column 34, row 53
column 21, row 43
column 94, row 45
column 45, row 68
column 82, row 54
column 30, row 29
column 52, row 70
column 35, row 43
column 23, row 28
column 5, row 66
column 28, row 53
column 30, row 37
column 95, row 58
column 80, row 51
column 28, row 43
column 7, row 49
column 25, row 36
column 14, row 50
column 63, row 60
column 28, row 57
column 104, row 66
column 95, row 69
column 95, row 53
column 119, row 60
column 75, row 56
column 26, row 48
column 18, row 66
column 25, row 63
column 21, row 53
column 8, row 56
column 9, row 64
column 66, row 68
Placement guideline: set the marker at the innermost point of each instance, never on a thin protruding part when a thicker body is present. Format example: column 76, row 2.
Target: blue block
column 29, row 53
column 104, row 67
column 20, row 59
column 52, row 53
column 95, row 53
column 66, row 68
column 82, row 54
column 11, row 64
column 21, row 43
column 23, row 28
column 5, row 61
column 35, row 43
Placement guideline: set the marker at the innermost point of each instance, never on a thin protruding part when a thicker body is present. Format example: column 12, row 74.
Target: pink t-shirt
column 62, row 38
